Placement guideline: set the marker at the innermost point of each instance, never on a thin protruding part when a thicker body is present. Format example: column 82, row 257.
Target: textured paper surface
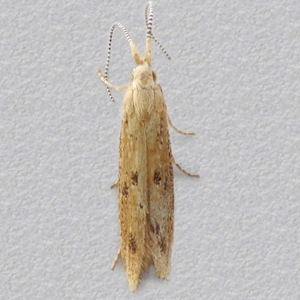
column 233, row 79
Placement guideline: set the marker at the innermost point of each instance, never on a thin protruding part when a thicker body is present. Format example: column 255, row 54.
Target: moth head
column 143, row 75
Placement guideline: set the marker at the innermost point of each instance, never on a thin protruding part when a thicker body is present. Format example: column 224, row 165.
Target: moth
column 145, row 181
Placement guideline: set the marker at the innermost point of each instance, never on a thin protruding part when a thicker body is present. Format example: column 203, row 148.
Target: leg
column 114, row 185
column 176, row 129
column 183, row 170
column 118, row 88
column 116, row 259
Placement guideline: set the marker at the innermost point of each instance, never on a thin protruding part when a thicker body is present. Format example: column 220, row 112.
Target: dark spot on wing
column 166, row 184
column 132, row 243
column 152, row 228
column 157, row 178
column 162, row 245
column 157, row 228
column 134, row 178
column 125, row 190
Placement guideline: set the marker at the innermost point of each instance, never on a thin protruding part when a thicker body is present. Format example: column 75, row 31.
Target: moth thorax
column 143, row 76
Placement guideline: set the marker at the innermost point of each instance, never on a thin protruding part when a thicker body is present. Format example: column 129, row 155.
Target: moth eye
column 131, row 77
column 154, row 75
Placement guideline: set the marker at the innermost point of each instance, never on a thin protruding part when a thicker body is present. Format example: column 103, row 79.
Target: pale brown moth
column 145, row 182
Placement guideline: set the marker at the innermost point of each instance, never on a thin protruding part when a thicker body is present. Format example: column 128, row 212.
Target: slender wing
column 160, row 187
column 132, row 191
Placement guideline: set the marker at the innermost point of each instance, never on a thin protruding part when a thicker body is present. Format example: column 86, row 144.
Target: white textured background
column 234, row 79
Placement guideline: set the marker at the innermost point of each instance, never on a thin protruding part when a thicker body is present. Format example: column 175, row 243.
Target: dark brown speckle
column 157, row 228
column 166, row 184
column 125, row 190
column 132, row 244
column 157, row 178
column 134, row 178
column 162, row 245
column 152, row 228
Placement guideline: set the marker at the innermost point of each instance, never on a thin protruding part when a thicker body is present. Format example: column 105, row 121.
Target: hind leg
column 116, row 259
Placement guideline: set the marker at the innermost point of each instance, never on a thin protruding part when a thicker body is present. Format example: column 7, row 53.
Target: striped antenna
column 149, row 23
column 108, row 53
column 149, row 18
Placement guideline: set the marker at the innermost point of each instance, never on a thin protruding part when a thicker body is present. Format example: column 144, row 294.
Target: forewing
column 132, row 191
column 160, row 187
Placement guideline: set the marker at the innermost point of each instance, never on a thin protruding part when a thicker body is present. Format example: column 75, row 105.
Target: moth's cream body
column 145, row 182
column 146, row 197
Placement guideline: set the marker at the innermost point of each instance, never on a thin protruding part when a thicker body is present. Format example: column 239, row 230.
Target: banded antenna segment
column 108, row 53
column 136, row 56
column 149, row 23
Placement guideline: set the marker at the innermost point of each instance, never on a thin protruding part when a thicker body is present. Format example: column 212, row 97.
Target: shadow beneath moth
column 145, row 181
